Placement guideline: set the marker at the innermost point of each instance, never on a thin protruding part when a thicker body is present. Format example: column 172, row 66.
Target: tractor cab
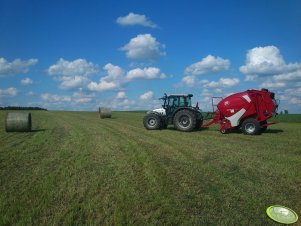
column 175, row 101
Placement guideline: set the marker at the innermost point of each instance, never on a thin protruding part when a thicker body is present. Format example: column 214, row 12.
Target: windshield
column 179, row 101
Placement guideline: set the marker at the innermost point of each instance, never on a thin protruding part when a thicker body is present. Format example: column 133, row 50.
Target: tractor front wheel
column 185, row 120
column 251, row 126
column 152, row 121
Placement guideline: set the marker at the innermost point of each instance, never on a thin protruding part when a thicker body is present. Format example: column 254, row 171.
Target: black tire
column 263, row 128
column 185, row 120
column 224, row 131
column 163, row 124
column 199, row 123
column 152, row 121
column 251, row 126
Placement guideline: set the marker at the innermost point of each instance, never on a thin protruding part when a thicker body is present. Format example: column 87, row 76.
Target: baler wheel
column 223, row 131
column 251, row 126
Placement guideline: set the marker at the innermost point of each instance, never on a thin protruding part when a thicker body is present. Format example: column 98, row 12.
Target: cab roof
column 180, row 95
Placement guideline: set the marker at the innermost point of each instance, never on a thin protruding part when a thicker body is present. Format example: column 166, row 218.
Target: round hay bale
column 105, row 112
column 18, row 122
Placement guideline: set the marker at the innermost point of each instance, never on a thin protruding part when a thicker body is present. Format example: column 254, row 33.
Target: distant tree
column 281, row 112
column 285, row 112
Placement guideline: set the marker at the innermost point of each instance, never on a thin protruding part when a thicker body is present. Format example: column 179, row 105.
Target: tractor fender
column 184, row 108
column 153, row 112
column 189, row 109
column 242, row 119
column 158, row 111
column 162, row 117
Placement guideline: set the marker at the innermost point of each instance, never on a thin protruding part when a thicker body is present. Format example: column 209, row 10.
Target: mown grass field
column 76, row 169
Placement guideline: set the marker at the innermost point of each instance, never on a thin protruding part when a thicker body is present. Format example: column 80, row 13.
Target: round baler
column 248, row 111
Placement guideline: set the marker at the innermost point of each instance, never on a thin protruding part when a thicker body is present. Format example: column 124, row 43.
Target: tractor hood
column 160, row 111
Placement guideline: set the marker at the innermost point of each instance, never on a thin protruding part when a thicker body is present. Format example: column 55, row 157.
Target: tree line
column 23, row 108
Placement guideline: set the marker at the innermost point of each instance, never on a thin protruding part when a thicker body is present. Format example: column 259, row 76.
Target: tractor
column 176, row 110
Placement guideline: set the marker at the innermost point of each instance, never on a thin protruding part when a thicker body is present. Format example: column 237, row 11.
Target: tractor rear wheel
column 185, row 120
column 251, row 126
column 152, row 121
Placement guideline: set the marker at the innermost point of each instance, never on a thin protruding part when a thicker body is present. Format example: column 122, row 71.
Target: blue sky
column 79, row 55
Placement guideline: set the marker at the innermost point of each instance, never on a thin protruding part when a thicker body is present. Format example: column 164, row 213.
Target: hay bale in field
column 18, row 122
column 105, row 112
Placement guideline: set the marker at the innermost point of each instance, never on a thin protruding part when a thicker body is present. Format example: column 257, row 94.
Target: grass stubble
column 76, row 169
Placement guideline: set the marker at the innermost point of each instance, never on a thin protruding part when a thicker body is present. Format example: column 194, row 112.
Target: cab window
column 183, row 102
column 173, row 102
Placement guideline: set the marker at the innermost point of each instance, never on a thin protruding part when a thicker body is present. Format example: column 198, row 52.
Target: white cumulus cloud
column 123, row 104
column 9, row 92
column 143, row 46
column 54, row 98
column 73, row 82
column 102, row 86
column 114, row 72
column 145, row 73
column 121, row 95
column 229, row 82
column 189, row 80
column 72, row 74
column 218, row 91
column 82, row 97
column 31, row 93
column 135, row 19
column 290, row 76
column 71, row 68
column 290, row 97
column 15, row 67
column 26, row 81
column 208, row 65
column 114, row 78
column 147, row 96
column 267, row 61
column 270, row 84
column 192, row 81
column 267, row 65
column 222, row 82
column 83, row 100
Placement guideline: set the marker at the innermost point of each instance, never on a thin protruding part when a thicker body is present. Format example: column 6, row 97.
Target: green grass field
column 76, row 169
